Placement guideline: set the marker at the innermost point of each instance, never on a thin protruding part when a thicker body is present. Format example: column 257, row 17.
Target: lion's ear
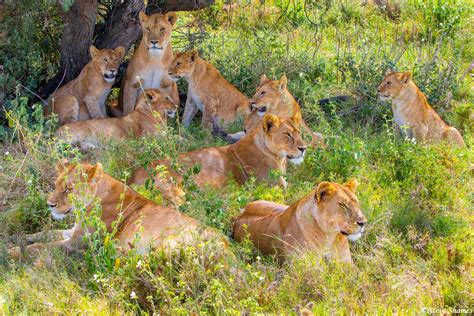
column 62, row 165
column 388, row 72
column 94, row 173
column 93, row 51
column 120, row 51
column 193, row 55
column 352, row 184
column 142, row 17
column 324, row 189
column 263, row 78
column 171, row 17
column 405, row 77
column 282, row 83
column 297, row 118
column 270, row 121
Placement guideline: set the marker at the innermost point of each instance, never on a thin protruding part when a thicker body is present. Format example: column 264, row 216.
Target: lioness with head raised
column 134, row 215
column 322, row 221
column 412, row 113
column 261, row 151
column 208, row 91
column 84, row 97
column 150, row 61
column 152, row 110
column 273, row 96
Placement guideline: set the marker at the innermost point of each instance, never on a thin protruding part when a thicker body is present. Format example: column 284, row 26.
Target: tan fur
column 261, row 151
column 153, row 108
column 84, row 97
column 321, row 221
column 272, row 96
column 412, row 113
column 208, row 91
column 157, row 226
column 150, row 61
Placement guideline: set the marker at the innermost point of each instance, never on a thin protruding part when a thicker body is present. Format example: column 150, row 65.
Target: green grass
column 418, row 251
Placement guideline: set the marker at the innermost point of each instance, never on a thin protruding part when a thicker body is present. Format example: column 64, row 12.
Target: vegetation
column 418, row 250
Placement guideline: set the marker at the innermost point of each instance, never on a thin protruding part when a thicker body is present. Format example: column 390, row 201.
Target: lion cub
column 322, row 221
column 412, row 113
column 84, row 97
column 153, row 108
column 208, row 91
column 150, row 61
column 273, row 96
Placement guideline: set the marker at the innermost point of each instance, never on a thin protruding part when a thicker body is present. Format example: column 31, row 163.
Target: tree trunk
column 79, row 24
column 121, row 27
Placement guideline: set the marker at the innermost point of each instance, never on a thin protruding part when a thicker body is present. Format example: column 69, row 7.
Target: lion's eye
column 388, row 83
column 147, row 29
column 66, row 191
column 262, row 93
column 162, row 29
column 178, row 64
column 105, row 60
column 289, row 135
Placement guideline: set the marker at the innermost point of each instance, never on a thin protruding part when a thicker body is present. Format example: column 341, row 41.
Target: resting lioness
column 272, row 96
column 208, row 91
column 156, row 225
column 84, row 97
column 153, row 108
column 150, row 61
column 412, row 113
column 322, row 221
column 261, row 151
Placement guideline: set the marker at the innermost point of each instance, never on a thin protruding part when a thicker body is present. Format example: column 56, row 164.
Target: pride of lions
column 323, row 221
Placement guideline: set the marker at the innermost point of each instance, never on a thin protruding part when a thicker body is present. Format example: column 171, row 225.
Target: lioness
column 153, row 108
column 156, row 225
column 412, row 113
column 84, row 97
column 208, row 91
column 261, row 151
column 322, row 221
column 272, row 96
column 150, row 61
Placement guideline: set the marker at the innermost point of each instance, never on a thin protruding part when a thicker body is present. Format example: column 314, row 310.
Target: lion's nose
column 154, row 42
column 113, row 71
column 51, row 204
column 378, row 90
column 263, row 109
column 302, row 149
column 361, row 223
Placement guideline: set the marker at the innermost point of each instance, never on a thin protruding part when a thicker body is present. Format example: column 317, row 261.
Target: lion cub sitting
column 84, row 97
column 157, row 226
column 261, row 151
column 273, row 96
column 208, row 91
column 412, row 113
column 322, row 221
column 152, row 109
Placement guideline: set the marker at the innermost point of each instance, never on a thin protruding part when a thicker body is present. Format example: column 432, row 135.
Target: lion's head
column 337, row 209
column 157, row 30
column 107, row 61
column 159, row 101
column 283, row 137
column 77, row 179
column 268, row 95
column 183, row 64
column 393, row 84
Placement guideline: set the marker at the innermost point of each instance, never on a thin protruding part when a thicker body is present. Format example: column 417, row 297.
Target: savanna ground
column 418, row 250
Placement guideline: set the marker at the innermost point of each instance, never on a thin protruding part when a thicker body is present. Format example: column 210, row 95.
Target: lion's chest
column 195, row 97
column 152, row 77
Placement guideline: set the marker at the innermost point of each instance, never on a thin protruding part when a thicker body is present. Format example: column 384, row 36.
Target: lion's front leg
column 93, row 108
column 190, row 110
column 49, row 236
column 67, row 245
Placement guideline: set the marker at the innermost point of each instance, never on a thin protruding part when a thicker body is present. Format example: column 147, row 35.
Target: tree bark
column 79, row 24
column 121, row 27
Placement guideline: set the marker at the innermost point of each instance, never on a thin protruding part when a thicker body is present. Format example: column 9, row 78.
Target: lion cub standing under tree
column 412, row 113
column 84, row 97
column 208, row 91
column 151, row 112
column 150, row 61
